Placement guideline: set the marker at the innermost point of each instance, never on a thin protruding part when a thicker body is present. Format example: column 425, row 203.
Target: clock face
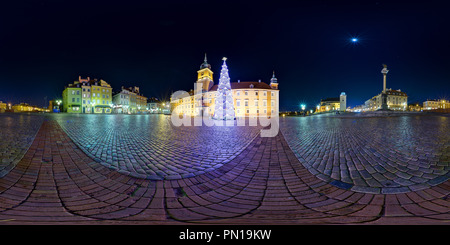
column 202, row 73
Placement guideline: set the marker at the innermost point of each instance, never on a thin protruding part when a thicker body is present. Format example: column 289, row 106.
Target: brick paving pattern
column 17, row 132
column 150, row 147
column 373, row 155
column 266, row 183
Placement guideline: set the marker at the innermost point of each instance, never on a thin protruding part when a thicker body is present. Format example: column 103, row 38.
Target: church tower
column 205, row 75
column 274, row 82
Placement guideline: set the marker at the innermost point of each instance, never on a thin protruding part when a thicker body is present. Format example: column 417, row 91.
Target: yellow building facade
column 251, row 99
column 88, row 96
column 24, row 107
column 436, row 104
column 3, row 107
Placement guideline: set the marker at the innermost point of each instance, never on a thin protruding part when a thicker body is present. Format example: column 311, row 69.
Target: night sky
column 159, row 46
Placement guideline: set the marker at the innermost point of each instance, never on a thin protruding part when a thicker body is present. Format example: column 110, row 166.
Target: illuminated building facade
column 436, row 104
column 88, row 96
column 250, row 98
column 129, row 101
column 329, row 104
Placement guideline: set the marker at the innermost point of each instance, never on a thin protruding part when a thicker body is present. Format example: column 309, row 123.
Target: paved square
column 381, row 154
column 317, row 170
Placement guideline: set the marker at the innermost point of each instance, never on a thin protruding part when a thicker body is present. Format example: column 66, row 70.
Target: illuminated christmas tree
column 224, row 107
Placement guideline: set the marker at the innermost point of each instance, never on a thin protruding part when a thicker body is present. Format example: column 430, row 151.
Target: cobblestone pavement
column 17, row 132
column 375, row 154
column 57, row 183
column 150, row 147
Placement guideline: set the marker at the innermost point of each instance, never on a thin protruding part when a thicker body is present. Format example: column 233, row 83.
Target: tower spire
column 274, row 81
column 205, row 59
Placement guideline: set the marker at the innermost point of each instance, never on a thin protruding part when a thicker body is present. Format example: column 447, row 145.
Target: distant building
column 414, row 107
column 343, row 102
column 436, row 104
column 24, row 107
column 87, row 96
column 129, row 101
column 3, row 107
column 396, row 100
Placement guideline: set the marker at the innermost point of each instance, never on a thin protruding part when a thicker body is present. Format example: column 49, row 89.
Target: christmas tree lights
column 224, row 107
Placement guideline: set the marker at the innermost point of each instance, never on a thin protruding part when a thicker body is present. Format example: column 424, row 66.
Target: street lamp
column 303, row 106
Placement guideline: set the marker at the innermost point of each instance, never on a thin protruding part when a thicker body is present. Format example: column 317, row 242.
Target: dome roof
column 205, row 64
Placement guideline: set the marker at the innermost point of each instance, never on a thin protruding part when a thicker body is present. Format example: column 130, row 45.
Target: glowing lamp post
column 58, row 102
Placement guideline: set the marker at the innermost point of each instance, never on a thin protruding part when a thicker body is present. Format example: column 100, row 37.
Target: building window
column 238, row 93
column 264, row 102
column 265, row 93
column 273, row 103
column 73, row 99
column 246, row 93
column 272, row 94
column 246, row 103
column 84, row 101
column 256, row 102
column 238, row 103
column 256, row 93
column 78, row 99
column 73, row 92
column 248, row 111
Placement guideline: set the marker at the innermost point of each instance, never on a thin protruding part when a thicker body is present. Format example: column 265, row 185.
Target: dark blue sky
column 159, row 46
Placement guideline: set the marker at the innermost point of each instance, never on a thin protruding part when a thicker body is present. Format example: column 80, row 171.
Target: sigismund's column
column 384, row 106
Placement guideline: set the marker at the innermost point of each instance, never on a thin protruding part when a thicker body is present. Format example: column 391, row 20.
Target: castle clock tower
column 205, row 76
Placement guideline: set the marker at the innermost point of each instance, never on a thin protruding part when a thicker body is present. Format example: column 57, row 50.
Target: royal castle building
column 250, row 98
